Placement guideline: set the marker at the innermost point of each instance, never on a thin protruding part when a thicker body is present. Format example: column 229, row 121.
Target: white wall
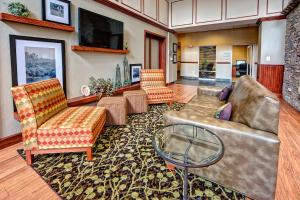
column 190, row 54
column 79, row 65
column 172, row 69
column 272, row 42
column 224, row 55
column 254, row 61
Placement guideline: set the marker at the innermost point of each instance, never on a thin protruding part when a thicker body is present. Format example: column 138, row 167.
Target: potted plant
column 18, row 9
column 101, row 86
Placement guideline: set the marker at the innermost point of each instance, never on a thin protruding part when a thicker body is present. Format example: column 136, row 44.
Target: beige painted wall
column 220, row 38
column 80, row 66
column 172, row 69
column 239, row 53
column 240, row 36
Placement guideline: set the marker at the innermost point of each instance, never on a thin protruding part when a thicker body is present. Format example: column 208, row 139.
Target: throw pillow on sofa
column 224, row 112
column 224, row 94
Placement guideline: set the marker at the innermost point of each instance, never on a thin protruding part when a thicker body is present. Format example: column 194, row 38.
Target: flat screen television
column 99, row 31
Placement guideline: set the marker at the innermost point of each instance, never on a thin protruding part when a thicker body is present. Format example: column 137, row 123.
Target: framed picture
column 58, row 11
column 35, row 59
column 135, row 71
column 174, row 58
column 85, row 90
column 174, row 47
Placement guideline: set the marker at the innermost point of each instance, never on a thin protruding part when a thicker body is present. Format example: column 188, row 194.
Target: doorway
column 154, row 51
column 207, row 63
column 244, row 58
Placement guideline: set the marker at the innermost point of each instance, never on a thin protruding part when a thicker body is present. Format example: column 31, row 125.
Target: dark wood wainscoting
column 10, row 140
column 271, row 76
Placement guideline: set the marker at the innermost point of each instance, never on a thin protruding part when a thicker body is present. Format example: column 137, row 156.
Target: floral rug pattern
column 125, row 166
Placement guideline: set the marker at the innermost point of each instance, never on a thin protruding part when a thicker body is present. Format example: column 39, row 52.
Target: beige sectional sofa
column 250, row 160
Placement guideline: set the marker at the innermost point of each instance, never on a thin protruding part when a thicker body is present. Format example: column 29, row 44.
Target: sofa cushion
column 206, row 101
column 224, row 94
column 72, row 127
column 158, row 94
column 254, row 105
column 152, row 78
column 224, row 112
column 47, row 98
column 199, row 111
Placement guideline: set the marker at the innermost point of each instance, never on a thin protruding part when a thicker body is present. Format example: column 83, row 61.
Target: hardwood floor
column 18, row 181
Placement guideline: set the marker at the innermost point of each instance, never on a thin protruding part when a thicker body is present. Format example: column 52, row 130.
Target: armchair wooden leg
column 89, row 154
column 29, row 157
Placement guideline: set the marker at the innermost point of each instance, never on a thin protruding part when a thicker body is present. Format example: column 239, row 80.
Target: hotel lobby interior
column 150, row 99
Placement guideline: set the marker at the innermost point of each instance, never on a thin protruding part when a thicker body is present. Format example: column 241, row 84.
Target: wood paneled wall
column 271, row 76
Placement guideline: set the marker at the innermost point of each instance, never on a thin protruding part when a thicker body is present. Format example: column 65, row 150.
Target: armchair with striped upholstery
column 153, row 83
column 50, row 126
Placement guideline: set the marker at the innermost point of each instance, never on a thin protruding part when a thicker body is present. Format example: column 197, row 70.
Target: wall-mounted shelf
column 96, row 49
column 35, row 22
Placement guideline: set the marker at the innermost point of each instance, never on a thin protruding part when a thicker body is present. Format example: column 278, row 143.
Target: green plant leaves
column 18, row 9
column 101, row 86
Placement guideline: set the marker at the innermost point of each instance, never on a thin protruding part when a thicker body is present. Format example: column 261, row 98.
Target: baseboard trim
column 171, row 83
column 223, row 80
column 10, row 140
column 189, row 78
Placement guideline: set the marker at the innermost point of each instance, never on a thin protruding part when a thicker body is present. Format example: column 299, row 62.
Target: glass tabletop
column 188, row 145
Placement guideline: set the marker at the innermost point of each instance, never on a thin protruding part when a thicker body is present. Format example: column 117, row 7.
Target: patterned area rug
column 125, row 166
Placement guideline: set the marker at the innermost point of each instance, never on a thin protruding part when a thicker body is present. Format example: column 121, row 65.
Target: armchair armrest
column 250, row 160
column 209, row 90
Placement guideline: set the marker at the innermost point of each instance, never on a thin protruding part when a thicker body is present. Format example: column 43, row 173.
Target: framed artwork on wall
column 135, row 72
column 35, row 59
column 175, row 47
column 174, row 58
column 58, row 11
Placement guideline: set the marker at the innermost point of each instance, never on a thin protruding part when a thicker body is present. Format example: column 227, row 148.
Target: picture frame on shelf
column 34, row 59
column 175, row 47
column 135, row 73
column 85, row 90
column 58, row 11
column 174, row 58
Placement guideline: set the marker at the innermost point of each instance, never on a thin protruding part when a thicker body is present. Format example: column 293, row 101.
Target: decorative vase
column 127, row 80
column 118, row 82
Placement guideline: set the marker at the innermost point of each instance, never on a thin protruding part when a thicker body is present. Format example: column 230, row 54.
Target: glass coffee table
column 188, row 146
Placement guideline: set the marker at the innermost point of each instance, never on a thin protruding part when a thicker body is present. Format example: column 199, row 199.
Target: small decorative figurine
column 118, row 82
column 126, row 72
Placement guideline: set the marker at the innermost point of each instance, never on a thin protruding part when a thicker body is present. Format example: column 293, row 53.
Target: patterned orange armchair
column 153, row 83
column 50, row 126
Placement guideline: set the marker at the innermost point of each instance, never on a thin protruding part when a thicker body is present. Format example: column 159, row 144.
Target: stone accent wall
column 291, row 86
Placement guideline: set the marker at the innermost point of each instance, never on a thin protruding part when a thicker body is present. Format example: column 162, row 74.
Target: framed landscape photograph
column 58, row 11
column 35, row 59
column 175, row 47
column 135, row 72
column 174, row 58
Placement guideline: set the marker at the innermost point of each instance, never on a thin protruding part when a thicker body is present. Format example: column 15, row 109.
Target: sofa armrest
column 209, row 90
column 250, row 160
